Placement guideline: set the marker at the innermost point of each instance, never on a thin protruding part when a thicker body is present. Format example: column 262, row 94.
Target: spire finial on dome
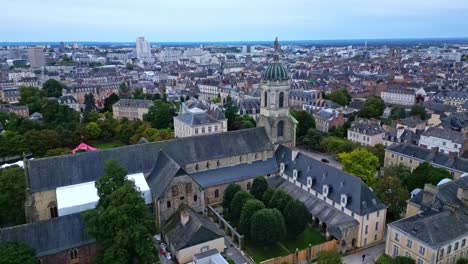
column 276, row 50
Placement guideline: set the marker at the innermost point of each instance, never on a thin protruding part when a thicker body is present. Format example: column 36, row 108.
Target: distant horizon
column 462, row 38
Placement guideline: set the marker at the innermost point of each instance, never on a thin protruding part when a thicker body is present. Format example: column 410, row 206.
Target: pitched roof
column 363, row 199
column 448, row 134
column 165, row 169
column 53, row 172
column 50, row 236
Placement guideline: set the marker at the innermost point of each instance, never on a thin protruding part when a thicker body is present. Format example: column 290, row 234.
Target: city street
column 319, row 156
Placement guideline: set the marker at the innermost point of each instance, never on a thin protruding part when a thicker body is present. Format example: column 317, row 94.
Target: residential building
column 367, row 132
column 132, row 109
column 328, row 118
column 99, row 91
column 444, row 140
column 195, row 122
column 399, row 96
column 21, row 110
column 457, row 99
column 412, row 156
column 435, row 229
column 36, row 57
column 143, row 49
column 71, row 102
column 211, row 256
column 250, row 107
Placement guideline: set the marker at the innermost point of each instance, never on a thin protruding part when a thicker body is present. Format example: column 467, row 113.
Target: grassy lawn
column 309, row 236
column 106, row 145
column 261, row 253
column 283, row 248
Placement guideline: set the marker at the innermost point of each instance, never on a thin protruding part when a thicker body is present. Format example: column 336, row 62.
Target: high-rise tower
column 274, row 112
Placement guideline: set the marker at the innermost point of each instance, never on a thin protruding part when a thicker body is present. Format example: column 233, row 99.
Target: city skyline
column 211, row 21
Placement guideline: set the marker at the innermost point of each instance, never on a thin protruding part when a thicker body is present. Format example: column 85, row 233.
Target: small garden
column 272, row 222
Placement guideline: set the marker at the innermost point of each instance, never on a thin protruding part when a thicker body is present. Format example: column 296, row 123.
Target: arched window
column 53, row 210
column 281, row 99
column 280, row 129
column 266, row 99
column 73, row 253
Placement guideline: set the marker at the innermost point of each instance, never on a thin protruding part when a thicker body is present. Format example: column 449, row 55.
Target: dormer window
column 325, row 190
column 282, row 167
column 310, row 182
column 344, row 200
column 295, row 174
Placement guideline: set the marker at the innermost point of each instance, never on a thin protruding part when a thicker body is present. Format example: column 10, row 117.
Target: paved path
column 318, row 156
column 371, row 253
column 233, row 253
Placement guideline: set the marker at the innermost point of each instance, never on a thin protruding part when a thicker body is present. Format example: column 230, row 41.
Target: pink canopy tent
column 84, row 147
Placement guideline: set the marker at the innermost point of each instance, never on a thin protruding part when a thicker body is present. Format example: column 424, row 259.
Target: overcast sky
column 230, row 20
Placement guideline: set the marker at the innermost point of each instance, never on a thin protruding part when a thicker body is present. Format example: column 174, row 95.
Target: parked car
column 324, row 160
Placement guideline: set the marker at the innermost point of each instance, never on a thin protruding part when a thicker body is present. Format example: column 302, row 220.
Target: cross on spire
column 276, row 50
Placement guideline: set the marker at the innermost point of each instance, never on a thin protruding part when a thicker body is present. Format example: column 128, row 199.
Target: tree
column 338, row 97
column 462, row 261
column 372, row 108
column 313, row 138
column 159, row 115
column 339, row 132
column 231, row 114
column 89, row 102
column 12, row 196
column 32, row 97
column 403, row 260
column 39, row 141
column 361, row 163
column 53, row 88
column 305, row 122
column 259, row 187
column 400, row 171
column 390, row 192
column 16, row 253
column 57, row 152
column 378, row 151
column 267, row 227
column 397, row 113
column 249, row 208
column 329, row 257
column 122, row 239
column 124, row 91
column 426, row 173
column 267, row 195
column 337, row 145
column 384, row 259
column 279, row 200
column 419, row 111
column 92, row 130
column 296, row 217
column 138, row 94
column 110, row 101
column 229, row 193
column 238, row 201
column 12, row 143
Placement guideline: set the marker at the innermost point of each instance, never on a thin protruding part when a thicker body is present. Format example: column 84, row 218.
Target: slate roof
column 367, row 127
column 363, row 200
column 431, row 156
column 234, row 173
column 196, row 119
column 400, row 90
column 336, row 220
column 451, row 135
column 51, row 236
column 137, row 103
column 437, row 224
column 50, row 173
column 199, row 229
column 165, row 169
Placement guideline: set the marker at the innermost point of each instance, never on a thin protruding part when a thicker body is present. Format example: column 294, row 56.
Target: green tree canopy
column 337, row 145
column 124, row 91
column 296, row 217
column 329, row 257
column 279, row 200
column 400, row 171
column 32, row 97
column 305, row 122
column 12, row 196
column 238, row 201
column 313, row 138
column 53, row 88
column 462, row 261
column 372, row 108
column 390, row 192
column 121, row 222
column 110, row 101
column 160, row 115
column 267, row 195
column 397, row 113
column 249, row 208
column 229, row 193
column 267, row 227
column 419, row 111
column 89, row 102
column 426, row 173
column 339, row 97
column 361, row 163
column 93, row 130
column 259, row 187
column 16, row 253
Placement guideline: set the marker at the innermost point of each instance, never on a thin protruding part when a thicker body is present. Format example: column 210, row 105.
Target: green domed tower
column 274, row 112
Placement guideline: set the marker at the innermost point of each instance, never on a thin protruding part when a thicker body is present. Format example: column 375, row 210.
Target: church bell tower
column 274, row 112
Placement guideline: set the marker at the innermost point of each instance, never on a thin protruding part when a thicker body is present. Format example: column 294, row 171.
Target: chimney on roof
column 429, row 194
column 184, row 217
